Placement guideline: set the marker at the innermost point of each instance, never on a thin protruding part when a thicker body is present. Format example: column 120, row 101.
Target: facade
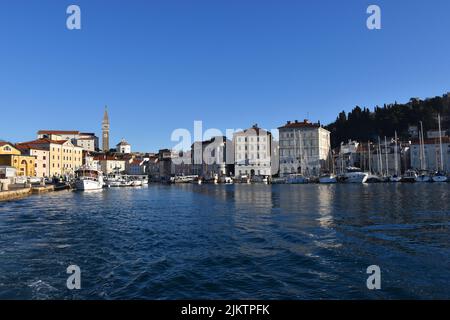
column 42, row 159
column 64, row 157
column 12, row 157
column 110, row 164
column 304, row 148
column 136, row 166
column 214, row 157
column 85, row 140
column 252, row 152
column 429, row 159
column 123, row 147
column 105, row 131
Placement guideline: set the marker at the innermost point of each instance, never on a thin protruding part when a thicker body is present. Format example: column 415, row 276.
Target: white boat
column 296, row 179
column 423, row 176
column 395, row 178
column 88, row 178
column 328, row 178
column 226, row 180
column 440, row 177
column 259, row 179
column 136, row 183
column 354, row 175
column 409, row 176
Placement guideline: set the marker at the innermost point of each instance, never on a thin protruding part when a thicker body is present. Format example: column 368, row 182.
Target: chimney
column 289, row 122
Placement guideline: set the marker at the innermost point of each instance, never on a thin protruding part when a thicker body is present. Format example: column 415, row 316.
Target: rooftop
column 297, row 124
column 58, row 132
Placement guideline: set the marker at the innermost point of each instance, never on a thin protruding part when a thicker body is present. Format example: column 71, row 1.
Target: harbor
column 242, row 241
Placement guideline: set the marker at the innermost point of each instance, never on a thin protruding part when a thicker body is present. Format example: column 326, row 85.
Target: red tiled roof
column 44, row 141
column 296, row 124
column 253, row 130
column 57, row 132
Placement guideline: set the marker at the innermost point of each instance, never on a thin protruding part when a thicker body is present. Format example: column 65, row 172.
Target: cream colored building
column 110, row 164
column 41, row 159
column 252, row 152
column 304, row 148
column 64, row 157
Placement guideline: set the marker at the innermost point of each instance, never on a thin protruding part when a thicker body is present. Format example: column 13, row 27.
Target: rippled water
column 221, row 242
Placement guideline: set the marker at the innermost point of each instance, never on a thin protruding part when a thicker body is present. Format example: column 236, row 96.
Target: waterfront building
column 136, row 166
column 12, row 157
column 64, row 157
column 214, row 157
column 42, row 158
column 152, row 167
column 430, row 158
column 304, row 148
column 123, row 147
column 109, row 164
column 105, row 131
column 252, row 152
column 86, row 140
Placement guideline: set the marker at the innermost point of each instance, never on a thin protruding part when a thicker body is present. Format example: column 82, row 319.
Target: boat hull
column 356, row 177
column 88, row 185
column 440, row 179
column 423, row 179
column 327, row 179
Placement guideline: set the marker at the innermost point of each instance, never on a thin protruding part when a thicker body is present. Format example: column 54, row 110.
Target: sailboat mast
column 395, row 154
column 368, row 148
column 386, row 150
column 424, row 166
column 380, row 158
column 440, row 144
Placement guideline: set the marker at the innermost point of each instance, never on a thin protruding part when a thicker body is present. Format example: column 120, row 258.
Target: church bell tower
column 105, row 131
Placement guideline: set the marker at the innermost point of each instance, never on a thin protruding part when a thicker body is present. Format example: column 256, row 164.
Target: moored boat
column 88, row 178
column 440, row 177
column 327, row 178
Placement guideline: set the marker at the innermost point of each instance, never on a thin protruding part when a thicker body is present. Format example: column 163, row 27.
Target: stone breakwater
column 23, row 192
column 14, row 194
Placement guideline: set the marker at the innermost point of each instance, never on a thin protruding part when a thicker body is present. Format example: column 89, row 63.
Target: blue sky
column 159, row 65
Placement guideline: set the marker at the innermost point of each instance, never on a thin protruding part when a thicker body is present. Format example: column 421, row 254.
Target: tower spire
column 105, row 131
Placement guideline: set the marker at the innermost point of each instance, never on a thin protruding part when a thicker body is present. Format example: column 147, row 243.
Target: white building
column 214, row 157
column 109, row 164
column 304, row 148
column 123, row 147
column 252, row 152
column 430, row 159
column 87, row 141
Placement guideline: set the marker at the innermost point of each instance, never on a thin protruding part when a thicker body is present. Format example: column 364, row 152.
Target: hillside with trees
column 363, row 124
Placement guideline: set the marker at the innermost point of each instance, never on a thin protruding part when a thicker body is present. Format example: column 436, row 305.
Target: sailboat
column 396, row 177
column 440, row 175
column 423, row 175
column 329, row 177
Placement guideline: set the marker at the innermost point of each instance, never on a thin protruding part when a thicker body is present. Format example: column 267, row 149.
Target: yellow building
column 63, row 157
column 10, row 156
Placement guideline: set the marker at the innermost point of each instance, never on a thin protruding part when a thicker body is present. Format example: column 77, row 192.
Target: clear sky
column 161, row 64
